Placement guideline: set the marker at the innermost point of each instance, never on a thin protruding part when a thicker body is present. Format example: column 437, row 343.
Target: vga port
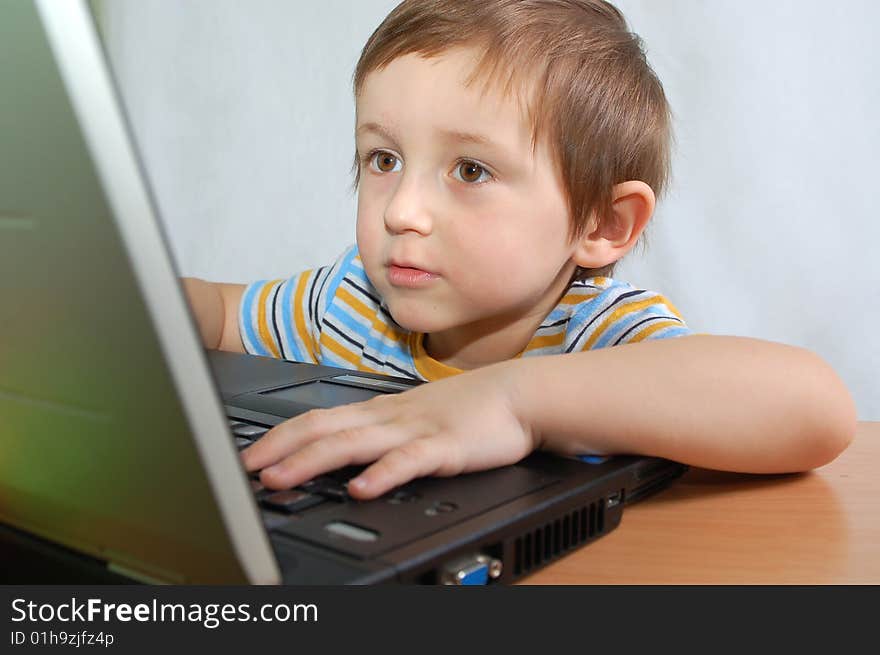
column 475, row 569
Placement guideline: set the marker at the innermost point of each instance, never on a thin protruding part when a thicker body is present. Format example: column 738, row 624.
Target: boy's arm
column 215, row 306
column 728, row 403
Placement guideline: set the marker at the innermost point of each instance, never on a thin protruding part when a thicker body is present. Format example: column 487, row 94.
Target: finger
column 296, row 433
column 350, row 446
column 413, row 459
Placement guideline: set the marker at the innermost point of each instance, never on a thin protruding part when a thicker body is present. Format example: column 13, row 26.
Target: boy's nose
column 408, row 209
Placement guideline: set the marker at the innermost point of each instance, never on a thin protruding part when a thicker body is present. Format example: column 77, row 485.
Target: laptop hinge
column 155, row 576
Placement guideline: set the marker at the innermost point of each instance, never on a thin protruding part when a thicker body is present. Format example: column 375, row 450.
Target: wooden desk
column 821, row 527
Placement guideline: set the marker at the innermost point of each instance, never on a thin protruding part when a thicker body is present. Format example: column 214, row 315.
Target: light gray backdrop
column 244, row 114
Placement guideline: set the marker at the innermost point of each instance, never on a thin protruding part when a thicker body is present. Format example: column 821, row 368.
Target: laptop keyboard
column 330, row 487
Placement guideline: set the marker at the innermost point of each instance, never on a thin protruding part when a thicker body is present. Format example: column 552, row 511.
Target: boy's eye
column 385, row 162
column 471, row 172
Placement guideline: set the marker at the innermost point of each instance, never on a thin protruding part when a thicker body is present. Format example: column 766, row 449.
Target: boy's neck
column 466, row 348
column 494, row 339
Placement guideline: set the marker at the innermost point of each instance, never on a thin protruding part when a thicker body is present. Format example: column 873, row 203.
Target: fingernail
column 357, row 483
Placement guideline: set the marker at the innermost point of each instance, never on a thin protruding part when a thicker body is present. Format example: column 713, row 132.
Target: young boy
column 508, row 154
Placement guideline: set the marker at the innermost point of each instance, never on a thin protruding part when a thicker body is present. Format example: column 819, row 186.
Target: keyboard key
column 241, row 442
column 326, row 487
column 346, row 473
column 249, row 431
column 292, row 500
column 402, row 496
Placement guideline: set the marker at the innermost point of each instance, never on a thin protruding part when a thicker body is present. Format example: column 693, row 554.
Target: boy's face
column 460, row 226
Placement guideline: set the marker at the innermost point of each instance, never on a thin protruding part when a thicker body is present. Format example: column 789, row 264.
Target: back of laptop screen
column 96, row 448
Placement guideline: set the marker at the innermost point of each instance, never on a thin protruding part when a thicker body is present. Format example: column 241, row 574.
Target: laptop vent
column 544, row 544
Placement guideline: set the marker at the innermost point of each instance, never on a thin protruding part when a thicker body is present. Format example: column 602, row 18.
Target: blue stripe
column 357, row 271
column 558, row 314
column 330, row 358
column 245, row 313
column 348, row 321
column 670, row 332
column 344, row 267
column 390, row 350
column 368, row 335
column 565, row 311
column 626, row 322
column 586, row 313
column 600, row 302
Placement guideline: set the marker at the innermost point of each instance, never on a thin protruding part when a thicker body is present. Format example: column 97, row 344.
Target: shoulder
column 283, row 317
column 349, row 282
column 604, row 312
column 353, row 303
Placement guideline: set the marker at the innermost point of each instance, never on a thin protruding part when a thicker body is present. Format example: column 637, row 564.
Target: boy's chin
column 415, row 318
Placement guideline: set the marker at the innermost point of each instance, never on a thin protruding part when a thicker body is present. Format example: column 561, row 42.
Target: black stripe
column 343, row 334
column 583, row 285
column 642, row 322
column 311, row 302
column 389, row 317
column 364, row 354
column 390, row 365
column 559, row 322
column 622, row 296
column 275, row 322
column 318, row 298
column 362, row 290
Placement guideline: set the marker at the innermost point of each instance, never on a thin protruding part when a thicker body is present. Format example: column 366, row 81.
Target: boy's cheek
column 372, row 201
column 368, row 240
column 370, row 244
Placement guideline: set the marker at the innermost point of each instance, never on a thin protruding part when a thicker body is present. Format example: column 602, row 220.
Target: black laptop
column 120, row 434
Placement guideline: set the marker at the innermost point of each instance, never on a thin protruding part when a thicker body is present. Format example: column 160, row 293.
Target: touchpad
column 321, row 393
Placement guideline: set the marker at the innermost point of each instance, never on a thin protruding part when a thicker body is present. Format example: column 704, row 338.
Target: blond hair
column 582, row 75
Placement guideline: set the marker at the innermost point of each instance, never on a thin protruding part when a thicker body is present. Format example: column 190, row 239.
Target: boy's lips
column 404, row 274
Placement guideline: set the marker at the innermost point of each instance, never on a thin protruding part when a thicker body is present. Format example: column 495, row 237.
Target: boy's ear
column 631, row 209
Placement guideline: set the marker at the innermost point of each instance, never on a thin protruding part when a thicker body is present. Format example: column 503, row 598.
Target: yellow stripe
column 426, row 365
column 262, row 326
column 369, row 314
column 337, row 348
column 546, row 341
column 575, row 298
column 619, row 313
column 299, row 316
column 346, row 296
column 647, row 332
column 388, row 330
column 333, row 346
column 385, row 329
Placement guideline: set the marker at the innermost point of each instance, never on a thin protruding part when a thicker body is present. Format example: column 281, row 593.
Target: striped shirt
column 333, row 316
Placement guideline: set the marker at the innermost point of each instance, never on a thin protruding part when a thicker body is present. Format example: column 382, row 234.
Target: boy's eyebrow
column 450, row 135
column 465, row 137
column 378, row 129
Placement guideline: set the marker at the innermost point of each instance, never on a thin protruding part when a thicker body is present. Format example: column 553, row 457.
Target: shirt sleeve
column 621, row 314
column 283, row 318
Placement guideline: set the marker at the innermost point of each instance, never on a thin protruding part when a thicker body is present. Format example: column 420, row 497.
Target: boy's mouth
column 409, row 277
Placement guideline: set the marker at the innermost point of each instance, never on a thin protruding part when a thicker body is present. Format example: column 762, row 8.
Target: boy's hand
column 459, row 424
